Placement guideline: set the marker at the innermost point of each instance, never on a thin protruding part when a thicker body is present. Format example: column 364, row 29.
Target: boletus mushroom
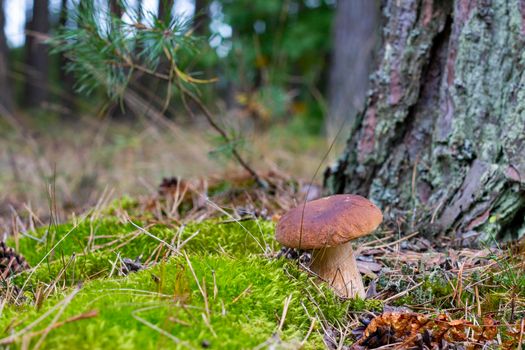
column 327, row 226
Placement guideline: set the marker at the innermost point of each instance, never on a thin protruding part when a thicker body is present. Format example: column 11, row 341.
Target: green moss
column 437, row 285
column 245, row 290
column 234, row 238
column 365, row 305
column 491, row 302
column 97, row 245
column 435, row 289
column 125, row 203
column 68, row 239
column 245, row 295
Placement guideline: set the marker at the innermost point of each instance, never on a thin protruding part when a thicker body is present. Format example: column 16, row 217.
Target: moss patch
column 215, row 286
column 245, row 299
column 97, row 244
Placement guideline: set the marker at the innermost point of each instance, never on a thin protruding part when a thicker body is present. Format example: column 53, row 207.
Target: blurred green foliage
column 278, row 55
column 107, row 51
column 270, row 56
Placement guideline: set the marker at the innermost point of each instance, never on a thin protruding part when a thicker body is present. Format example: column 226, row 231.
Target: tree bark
column 355, row 33
column 140, row 10
column 164, row 10
column 116, row 8
column 66, row 78
column 201, row 18
column 442, row 139
column 37, row 58
column 6, row 97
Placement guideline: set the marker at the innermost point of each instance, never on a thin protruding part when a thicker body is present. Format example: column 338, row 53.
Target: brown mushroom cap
column 328, row 222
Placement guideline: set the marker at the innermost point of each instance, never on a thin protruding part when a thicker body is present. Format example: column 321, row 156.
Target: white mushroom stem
column 337, row 266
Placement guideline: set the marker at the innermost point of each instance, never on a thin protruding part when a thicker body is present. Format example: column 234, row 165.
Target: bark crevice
column 441, row 139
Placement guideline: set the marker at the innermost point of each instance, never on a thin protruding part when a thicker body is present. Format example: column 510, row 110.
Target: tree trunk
column 164, row 10
column 355, row 33
column 441, row 142
column 6, row 99
column 116, row 8
column 140, row 10
column 66, row 78
column 37, row 58
column 201, row 18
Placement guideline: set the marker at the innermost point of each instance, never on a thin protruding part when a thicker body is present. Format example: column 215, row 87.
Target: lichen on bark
column 442, row 138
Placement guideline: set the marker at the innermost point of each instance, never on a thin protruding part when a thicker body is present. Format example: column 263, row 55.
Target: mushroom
column 327, row 225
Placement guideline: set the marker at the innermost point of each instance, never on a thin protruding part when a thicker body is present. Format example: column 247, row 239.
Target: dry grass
column 72, row 165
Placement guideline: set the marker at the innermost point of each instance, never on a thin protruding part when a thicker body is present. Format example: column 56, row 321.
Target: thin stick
column 522, row 324
column 85, row 315
column 183, row 243
column 48, row 329
column 114, row 265
column 224, row 136
column 325, row 156
column 390, row 243
column 236, row 220
column 208, row 324
column 476, row 292
column 152, row 235
column 215, row 288
column 309, row 332
column 45, row 257
column 13, row 337
column 156, row 328
column 285, row 312
column 458, row 290
column 203, row 293
column 49, row 288
column 242, row 294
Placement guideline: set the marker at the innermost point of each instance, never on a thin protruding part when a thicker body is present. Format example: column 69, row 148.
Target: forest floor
column 192, row 263
column 76, row 164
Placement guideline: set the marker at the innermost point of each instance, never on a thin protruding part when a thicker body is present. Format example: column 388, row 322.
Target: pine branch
column 261, row 182
column 108, row 56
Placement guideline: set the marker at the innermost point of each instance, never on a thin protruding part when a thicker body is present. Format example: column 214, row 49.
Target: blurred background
column 281, row 78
